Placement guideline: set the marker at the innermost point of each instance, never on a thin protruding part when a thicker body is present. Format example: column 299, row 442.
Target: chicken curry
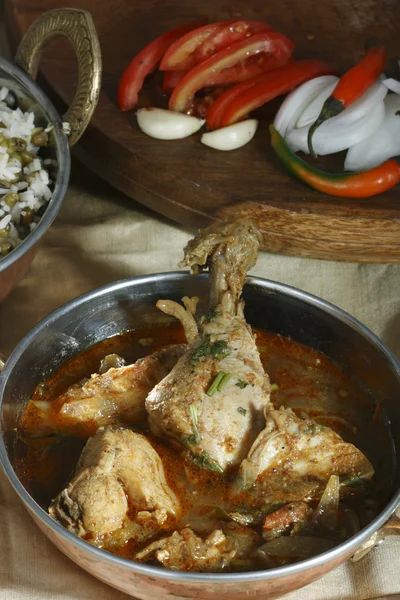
column 206, row 446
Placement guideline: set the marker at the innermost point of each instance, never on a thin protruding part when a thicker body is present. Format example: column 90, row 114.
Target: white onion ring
column 392, row 84
column 381, row 145
column 331, row 137
column 295, row 103
column 312, row 111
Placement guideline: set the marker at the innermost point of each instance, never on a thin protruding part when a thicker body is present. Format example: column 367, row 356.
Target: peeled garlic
column 166, row 124
column 231, row 137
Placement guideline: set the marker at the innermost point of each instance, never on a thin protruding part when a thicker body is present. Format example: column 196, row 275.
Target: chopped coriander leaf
column 274, row 387
column 354, row 481
column 219, row 383
column 214, row 386
column 224, row 381
column 211, row 315
column 206, row 462
column 192, row 440
column 194, row 415
column 241, row 410
column 314, row 428
column 241, row 384
column 218, row 350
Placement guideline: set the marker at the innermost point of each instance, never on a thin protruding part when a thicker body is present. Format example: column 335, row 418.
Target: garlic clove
column 231, row 137
column 166, row 124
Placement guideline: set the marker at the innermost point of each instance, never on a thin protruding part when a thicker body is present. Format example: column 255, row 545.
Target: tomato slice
column 269, row 86
column 171, row 80
column 180, row 55
column 218, row 107
column 198, row 45
column 228, row 35
column 232, row 76
column 216, row 111
column 247, row 69
column 144, row 63
column 270, row 43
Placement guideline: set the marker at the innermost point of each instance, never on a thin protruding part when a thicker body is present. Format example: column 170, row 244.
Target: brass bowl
column 78, row 27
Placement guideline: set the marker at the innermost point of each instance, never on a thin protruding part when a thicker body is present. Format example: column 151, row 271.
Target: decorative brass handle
column 77, row 26
column 391, row 527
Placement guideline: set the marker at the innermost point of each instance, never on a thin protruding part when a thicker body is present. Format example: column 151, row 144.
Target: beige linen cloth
column 99, row 237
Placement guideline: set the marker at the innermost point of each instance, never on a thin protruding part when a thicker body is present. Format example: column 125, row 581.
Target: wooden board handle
column 78, row 27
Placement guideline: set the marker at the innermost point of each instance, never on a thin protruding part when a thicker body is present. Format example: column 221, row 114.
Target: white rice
column 31, row 182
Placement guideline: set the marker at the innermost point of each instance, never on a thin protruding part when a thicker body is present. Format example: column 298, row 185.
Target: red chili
column 347, row 185
column 351, row 86
column 144, row 63
column 270, row 85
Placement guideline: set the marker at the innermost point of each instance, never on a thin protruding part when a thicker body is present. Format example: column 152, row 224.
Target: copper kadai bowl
column 77, row 26
column 131, row 304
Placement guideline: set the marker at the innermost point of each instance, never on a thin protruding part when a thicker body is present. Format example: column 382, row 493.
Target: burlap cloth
column 100, row 236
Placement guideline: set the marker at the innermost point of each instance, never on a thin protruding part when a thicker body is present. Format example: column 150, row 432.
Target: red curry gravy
column 303, row 379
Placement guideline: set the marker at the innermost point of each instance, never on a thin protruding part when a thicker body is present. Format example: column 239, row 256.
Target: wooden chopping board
column 193, row 184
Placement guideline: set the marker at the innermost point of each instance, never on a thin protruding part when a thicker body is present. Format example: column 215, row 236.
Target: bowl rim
column 345, row 548
column 63, row 157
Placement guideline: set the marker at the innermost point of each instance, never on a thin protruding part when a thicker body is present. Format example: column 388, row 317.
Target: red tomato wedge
column 216, row 111
column 171, row 80
column 269, row 86
column 227, row 36
column 180, row 55
column 144, row 63
column 270, row 43
column 198, row 45
column 248, row 69
column 232, row 76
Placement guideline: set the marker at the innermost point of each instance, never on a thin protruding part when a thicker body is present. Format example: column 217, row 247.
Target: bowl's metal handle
column 77, row 26
column 391, row 527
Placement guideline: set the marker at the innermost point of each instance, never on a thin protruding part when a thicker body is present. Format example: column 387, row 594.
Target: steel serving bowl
column 130, row 304
column 77, row 26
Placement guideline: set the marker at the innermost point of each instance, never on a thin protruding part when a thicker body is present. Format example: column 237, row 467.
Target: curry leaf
column 241, row 384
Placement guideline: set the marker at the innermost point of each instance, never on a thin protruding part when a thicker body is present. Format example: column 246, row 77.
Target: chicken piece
column 213, row 399
column 279, row 521
column 292, row 459
column 118, row 471
column 186, row 551
column 115, row 397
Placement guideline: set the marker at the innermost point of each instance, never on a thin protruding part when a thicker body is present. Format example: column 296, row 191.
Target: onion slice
column 231, row 137
column 167, row 124
column 381, row 145
column 311, row 113
column 332, row 137
column 295, row 103
column 392, row 84
column 326, row 514
column 296, row 547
